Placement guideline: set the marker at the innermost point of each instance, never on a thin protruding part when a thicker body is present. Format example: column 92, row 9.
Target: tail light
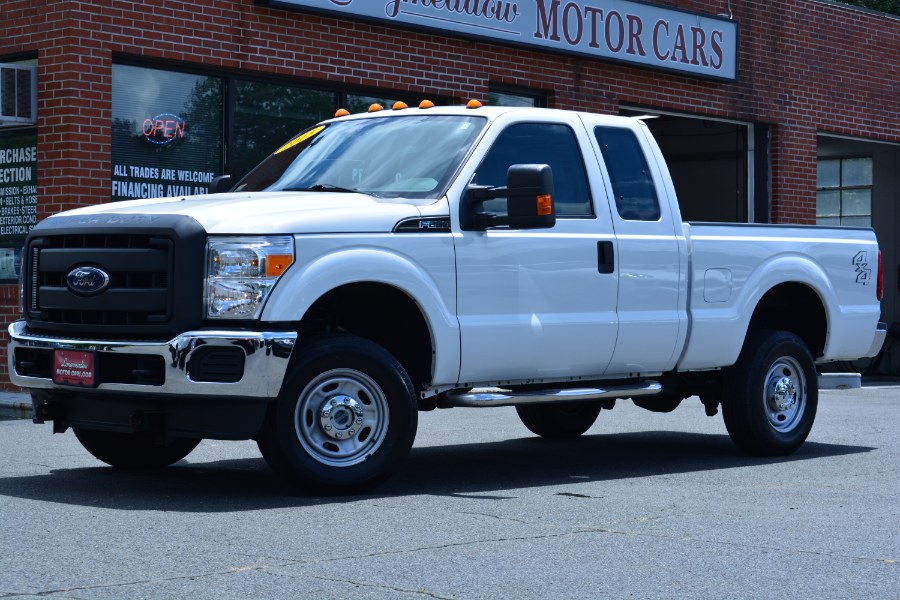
column 879, row 288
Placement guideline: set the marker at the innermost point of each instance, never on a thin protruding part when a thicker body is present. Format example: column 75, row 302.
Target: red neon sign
column 163, row 129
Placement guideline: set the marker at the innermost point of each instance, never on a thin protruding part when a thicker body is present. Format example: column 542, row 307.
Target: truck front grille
column 146, row 270
column 139, row 269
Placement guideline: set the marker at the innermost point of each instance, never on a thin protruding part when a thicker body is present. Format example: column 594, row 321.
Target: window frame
column 841, row 188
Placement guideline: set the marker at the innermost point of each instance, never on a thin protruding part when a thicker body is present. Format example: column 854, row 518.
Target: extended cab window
column 629, row 173
column 541, row 144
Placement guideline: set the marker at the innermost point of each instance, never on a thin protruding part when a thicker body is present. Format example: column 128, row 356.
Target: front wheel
column 771, row 394
column 135, row 450
column 560, row 420
column 345, row 419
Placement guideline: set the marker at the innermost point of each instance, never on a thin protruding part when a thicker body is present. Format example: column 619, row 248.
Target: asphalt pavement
column 643, row 506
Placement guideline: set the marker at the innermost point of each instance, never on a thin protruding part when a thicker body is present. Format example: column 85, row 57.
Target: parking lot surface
column 643, row 506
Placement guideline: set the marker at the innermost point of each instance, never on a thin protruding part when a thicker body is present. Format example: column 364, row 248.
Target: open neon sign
column 163, row 129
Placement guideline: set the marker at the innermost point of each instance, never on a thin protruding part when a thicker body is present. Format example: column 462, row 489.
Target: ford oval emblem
column 87, row 281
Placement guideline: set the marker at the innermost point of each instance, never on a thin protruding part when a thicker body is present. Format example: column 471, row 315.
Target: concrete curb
column 840, row 381
column 16, row 405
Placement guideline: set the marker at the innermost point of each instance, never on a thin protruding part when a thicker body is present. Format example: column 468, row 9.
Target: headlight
column 240, row 273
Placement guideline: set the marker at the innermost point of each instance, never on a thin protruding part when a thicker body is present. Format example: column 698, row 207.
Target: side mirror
column 529, row 197
column 220, row 184
column 529, row 200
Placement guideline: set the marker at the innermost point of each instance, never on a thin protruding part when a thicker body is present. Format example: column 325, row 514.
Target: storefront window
column 266, row 115
column 356, row 103
column 18, row 197
column 167, row 132
column 844, row 192
column 510, row 97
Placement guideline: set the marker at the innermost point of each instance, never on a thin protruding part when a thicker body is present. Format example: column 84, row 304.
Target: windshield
column 403, row 156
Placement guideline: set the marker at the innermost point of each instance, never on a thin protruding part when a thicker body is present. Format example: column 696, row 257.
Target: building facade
column 781, row 111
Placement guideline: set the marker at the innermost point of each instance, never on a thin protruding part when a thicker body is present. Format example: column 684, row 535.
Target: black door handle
column 606, row 259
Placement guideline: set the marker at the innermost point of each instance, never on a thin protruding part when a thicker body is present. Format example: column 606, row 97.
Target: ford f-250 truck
column 381, row 264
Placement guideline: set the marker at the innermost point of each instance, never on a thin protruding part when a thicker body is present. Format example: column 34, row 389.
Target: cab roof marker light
column 473, row 104
column 426, row 104
column 341, row 112
column 375, row 108
column 400, row 105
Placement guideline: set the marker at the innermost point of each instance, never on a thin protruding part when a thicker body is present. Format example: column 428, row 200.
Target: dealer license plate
column 74, row 367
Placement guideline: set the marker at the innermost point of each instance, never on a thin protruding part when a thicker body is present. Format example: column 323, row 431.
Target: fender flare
column 302, row 287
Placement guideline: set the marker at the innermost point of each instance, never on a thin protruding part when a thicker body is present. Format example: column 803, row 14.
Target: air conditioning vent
column 18, row 95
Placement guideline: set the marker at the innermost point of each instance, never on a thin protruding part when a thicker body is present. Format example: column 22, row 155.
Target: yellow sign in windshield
column 301, row 138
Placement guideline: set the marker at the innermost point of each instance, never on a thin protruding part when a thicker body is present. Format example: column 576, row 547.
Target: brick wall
column 804, row 67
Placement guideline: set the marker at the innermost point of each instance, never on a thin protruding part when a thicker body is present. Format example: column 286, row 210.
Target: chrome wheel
column 785, row 394
column 341, row 417
column 771, row 394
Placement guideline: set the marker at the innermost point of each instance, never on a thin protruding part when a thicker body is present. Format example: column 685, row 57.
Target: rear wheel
column 771, row 394
column 345, row 419
column 559, row 420
column 135, row 450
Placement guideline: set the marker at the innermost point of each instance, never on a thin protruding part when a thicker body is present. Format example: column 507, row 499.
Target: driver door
column 539, row 304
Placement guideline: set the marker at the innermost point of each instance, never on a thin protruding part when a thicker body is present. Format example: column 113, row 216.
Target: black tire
column 559, row 420
column 135, row 450
column 771, row 394
column 345, row 419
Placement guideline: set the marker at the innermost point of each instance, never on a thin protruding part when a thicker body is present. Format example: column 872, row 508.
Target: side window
column 629, row 173
column 543, row 144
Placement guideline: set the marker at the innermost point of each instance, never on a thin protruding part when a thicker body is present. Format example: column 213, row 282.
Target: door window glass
column 629, row 174
column 541, row 144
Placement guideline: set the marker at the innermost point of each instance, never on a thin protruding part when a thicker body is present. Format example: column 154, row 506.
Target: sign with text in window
column 18, row 198
column 167, row 133
column 631, row 32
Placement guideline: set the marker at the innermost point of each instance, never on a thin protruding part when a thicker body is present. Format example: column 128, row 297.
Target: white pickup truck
column 402, row 260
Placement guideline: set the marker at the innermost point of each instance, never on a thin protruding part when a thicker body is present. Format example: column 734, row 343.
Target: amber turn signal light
column 544, row 205
column 276, row 264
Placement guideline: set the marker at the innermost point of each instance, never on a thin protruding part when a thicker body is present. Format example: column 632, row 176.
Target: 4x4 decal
column 863, row 272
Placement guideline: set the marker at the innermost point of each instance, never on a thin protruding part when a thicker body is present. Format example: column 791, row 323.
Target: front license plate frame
column 75, row 367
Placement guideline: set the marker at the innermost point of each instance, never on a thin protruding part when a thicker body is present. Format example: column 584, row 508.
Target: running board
column 498, row 397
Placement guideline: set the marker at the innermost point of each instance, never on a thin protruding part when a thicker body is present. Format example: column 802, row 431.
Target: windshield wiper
column 321, row 187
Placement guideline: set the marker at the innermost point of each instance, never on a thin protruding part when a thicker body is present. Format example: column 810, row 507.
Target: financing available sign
column 631, row 32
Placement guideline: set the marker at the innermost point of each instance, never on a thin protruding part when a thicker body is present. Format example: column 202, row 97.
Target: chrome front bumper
column 266, row 361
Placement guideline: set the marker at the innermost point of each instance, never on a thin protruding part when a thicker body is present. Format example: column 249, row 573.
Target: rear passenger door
column 651, row 255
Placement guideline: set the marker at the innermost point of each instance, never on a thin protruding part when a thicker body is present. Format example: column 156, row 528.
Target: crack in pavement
column 264, row 567
column 419, row 592
column 256, row 566
column 886, row 561
column 498, row 517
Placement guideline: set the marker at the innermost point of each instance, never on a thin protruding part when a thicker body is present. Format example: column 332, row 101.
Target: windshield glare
column 403, row 156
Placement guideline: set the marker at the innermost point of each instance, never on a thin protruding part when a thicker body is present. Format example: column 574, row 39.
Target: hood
column 270, row 212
